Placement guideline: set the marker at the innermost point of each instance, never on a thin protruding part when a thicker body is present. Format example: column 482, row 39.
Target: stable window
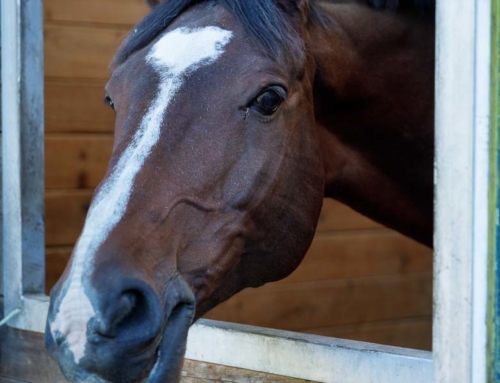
column 466, row 176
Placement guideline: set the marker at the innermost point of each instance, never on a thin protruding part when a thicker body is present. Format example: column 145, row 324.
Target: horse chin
column 172, row 347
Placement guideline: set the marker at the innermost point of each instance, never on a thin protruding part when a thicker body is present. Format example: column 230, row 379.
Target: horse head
column 209, row 189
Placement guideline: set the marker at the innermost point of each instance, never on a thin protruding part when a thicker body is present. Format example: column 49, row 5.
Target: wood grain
column 330, row 257
column 76, row 161
column 79, row 51
column 65, row 213
column 337, row 216
column 126, row 12
column 76, row 106
column 24, row 359
column 205, row 372
column 340, row 307
column 305, row 306
column 357, row 254
column 56, row 259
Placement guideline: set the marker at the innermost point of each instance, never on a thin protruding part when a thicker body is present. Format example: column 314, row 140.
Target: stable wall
column 359, row 280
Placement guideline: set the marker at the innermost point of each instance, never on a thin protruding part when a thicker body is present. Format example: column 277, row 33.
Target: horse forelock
column 266, row 22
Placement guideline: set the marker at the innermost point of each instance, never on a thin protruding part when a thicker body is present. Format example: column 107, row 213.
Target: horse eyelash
column 108, row 101
column 247, row 110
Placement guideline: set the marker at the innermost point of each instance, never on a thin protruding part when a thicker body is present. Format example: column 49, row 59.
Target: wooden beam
column 337, row 216
column 76, row 106
column 306, row 356
column 126, row 12
column 300, row 306
column 76, row 161
column 24, row 360
column 462, row 177
column 72, row 163
column 80, row 51
column 22, row 150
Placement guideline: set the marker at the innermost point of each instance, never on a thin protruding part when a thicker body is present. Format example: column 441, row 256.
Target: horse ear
column 153, row 3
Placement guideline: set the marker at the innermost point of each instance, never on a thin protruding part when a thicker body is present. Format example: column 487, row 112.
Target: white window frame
column 461, row 254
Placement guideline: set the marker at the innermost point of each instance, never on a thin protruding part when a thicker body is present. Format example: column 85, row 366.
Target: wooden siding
column 359, row 280
column 24, row 360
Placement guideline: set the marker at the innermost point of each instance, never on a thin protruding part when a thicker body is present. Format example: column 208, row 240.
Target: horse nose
column 134, row 330
column 128, row 310
column 119, row 342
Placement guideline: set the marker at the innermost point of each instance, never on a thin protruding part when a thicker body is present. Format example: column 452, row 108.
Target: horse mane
column 266, row 22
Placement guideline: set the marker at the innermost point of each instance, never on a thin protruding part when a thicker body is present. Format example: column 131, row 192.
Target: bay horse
column 234, row 118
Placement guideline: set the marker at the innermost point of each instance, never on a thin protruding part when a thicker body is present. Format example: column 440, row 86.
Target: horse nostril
column 118, row 313
column 131, row 314
column 126, row 305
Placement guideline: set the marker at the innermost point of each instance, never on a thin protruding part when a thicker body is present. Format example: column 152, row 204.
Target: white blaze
column 173, row 56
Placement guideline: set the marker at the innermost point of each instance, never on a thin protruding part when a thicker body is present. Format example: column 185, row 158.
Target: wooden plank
column 80, row 51
column 339, row 256
column 357, row 254
column 413, row 333
column 197, row 372
column 76, row 161
column 56, row 259
column 337, row 216
column 461, row 195
column 76, row 106
column 22, row 150
column 304, row 306
column 126, row 12
column 66, row 211
column 306, row 356
column 359, row 300
column 65, row 214
column 23, row 359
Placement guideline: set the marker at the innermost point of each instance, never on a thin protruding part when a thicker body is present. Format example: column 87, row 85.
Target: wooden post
column 463, row 171
column 22, row 150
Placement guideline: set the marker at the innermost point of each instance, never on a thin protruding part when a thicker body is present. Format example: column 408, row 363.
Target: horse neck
column 374, row 97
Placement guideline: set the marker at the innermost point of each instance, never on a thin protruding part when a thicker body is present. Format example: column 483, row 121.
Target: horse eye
column 268, row 102
column 109, row 101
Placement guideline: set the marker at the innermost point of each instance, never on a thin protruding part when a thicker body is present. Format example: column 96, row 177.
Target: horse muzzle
column 134, row 336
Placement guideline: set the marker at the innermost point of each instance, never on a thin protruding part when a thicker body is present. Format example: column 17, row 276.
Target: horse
column 234, row 119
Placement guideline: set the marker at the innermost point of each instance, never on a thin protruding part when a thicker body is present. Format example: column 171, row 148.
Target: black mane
column 265, row 21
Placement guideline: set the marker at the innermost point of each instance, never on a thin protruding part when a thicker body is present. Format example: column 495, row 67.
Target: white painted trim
column 461, row 176
column 22, row 151
column 11, row 154
column 34, row 309
column 297, row 355
column 481, row 181
column 305, row 356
